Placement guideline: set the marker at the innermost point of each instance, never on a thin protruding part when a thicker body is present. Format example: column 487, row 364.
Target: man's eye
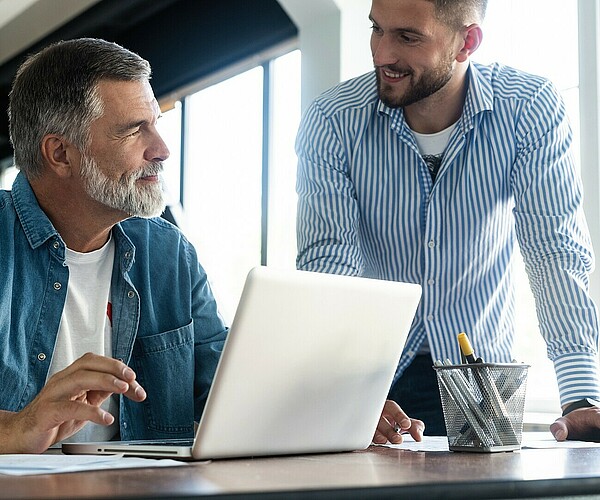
column 407, row 38
column 133, row 134
column 376, row 29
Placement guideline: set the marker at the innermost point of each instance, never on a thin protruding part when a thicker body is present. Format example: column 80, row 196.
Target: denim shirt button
column 41, row 356
column 56, row 244
column 124, row 425
column 128, row 255
column 57, row 286
column 130, row 294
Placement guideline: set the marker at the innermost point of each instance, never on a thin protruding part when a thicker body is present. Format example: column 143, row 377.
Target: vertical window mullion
column 266, row 157
column 185, row 119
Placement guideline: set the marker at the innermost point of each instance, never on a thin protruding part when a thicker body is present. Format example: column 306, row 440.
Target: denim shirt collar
column 39, row 229
column 124, row 249
column 36, row 225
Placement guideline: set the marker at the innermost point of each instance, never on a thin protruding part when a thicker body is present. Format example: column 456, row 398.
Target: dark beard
column 428, row 84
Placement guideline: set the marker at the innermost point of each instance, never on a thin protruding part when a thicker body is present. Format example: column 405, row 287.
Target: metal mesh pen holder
column 483, row 405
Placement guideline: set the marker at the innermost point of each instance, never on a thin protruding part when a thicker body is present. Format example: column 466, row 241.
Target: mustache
column 151, row 168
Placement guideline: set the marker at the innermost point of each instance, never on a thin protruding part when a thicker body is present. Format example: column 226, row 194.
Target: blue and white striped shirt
column 368, row 206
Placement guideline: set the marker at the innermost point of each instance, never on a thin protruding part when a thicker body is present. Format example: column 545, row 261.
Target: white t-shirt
column 432, row 147
column 85, row 324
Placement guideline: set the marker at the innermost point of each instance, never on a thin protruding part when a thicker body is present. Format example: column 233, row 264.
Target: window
column 222, row 193
column 281, row 241
column 238, row 171
column 7, row 176
column 541, row 37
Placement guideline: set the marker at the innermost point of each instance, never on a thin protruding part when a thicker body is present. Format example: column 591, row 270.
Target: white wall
column 589, row 39
column 24, row 22
column 334, row 40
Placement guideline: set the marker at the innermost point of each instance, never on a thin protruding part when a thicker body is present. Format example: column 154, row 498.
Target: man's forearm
column 8, row 434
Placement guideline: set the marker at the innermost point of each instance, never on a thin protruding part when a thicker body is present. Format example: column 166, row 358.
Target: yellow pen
column 467, row 349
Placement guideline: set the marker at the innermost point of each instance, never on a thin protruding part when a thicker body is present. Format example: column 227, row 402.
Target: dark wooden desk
column 375, row 473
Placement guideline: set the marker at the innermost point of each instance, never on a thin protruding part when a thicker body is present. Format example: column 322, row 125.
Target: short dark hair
column 55, row 92
column 459, row 13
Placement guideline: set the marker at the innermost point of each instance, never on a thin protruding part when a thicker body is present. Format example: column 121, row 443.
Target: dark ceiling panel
column 184, row 40
column 201, row 37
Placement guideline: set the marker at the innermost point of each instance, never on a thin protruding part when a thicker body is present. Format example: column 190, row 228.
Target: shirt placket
column 47, row 325
column 126, row 309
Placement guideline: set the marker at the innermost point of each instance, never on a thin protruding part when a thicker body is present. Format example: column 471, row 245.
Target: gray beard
column 124, row 195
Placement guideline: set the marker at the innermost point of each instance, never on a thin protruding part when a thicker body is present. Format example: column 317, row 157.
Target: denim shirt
column 165, row 322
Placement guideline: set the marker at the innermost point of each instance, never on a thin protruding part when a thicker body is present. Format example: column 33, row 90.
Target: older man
column 106, row 315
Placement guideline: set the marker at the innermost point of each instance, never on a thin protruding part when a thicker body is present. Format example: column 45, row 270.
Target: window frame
column 265, row 59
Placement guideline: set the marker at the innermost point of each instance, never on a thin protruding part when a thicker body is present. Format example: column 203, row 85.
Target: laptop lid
column 306, row 367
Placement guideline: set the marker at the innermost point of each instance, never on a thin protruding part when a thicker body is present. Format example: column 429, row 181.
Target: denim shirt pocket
column 164, row 364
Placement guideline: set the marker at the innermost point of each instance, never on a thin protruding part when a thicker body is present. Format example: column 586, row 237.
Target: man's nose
column 384, row 51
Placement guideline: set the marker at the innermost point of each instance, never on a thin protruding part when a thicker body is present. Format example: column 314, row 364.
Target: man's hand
column 394, row 422
column 70, row 398
column 581, row 425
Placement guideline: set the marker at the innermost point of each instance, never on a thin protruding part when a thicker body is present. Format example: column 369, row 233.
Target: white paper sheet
column 537, row 440
column 429, row 443
column 546, row 440
column 23, row 465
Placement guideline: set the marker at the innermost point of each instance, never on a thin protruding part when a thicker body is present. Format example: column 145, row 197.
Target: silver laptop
column 306, row 368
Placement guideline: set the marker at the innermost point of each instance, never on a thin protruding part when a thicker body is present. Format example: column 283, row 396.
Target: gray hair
column 55, row 92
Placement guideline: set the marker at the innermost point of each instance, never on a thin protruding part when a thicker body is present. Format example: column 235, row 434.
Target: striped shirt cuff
column 578, row 376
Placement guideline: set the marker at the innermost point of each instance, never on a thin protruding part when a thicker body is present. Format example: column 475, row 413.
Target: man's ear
column 472, row 37
column 58, row 154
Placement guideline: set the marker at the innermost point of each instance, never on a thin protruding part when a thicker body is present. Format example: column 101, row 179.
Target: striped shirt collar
column 480, row 98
